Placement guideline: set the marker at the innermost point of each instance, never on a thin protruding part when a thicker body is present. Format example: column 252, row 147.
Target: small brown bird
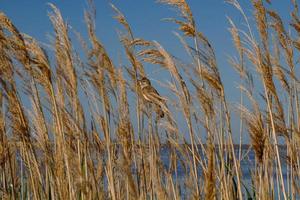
column 152, row 96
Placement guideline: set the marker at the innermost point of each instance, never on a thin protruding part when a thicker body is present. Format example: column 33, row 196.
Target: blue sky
column 145, row 17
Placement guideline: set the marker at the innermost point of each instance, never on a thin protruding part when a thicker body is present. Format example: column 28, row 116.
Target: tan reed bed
column 91, row 133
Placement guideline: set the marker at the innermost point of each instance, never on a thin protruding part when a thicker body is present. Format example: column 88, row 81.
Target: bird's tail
column 159, row 111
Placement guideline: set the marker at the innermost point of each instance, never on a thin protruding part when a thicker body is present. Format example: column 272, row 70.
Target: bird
column 151, row 95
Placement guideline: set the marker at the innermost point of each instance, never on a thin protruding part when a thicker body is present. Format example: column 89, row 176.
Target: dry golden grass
column 56, row 148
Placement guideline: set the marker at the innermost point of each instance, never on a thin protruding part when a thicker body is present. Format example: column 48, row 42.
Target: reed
column 90, row 131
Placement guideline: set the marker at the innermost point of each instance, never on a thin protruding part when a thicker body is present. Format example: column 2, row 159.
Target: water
column 247, row 170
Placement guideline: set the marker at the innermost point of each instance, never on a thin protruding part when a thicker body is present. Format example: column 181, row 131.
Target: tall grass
column 81, row 128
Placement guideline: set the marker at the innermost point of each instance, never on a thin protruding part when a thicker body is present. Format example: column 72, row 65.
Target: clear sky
column 145, row 17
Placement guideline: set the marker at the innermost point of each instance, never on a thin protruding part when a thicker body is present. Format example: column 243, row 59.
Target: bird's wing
column 153, row 95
